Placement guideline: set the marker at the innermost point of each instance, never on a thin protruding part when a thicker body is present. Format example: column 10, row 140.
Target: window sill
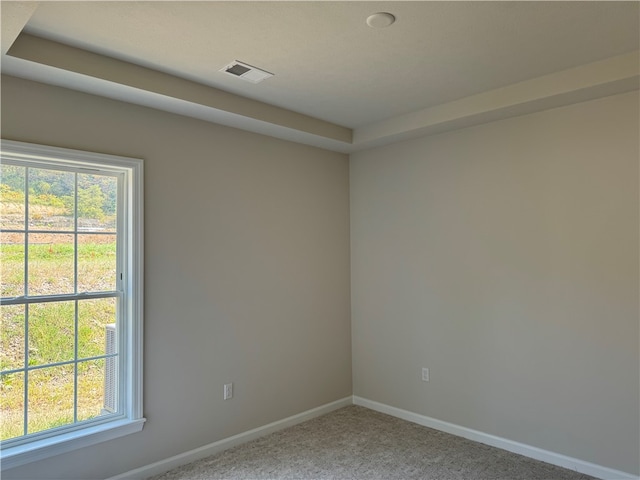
column 40, row 449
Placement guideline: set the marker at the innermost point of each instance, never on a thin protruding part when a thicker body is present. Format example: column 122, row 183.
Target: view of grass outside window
column 60, row 297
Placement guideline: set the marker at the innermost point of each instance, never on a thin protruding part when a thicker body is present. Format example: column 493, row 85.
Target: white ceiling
column 329, row 64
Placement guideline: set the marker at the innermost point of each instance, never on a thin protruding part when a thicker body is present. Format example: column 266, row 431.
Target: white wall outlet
column 425, row 374
column 228, row 391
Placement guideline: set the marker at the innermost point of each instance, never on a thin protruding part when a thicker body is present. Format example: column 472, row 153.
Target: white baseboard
column 475, row 435
column 503, row 443
column 216, row 447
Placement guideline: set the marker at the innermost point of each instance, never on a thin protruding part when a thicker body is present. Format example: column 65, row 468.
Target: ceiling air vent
column 246, row 72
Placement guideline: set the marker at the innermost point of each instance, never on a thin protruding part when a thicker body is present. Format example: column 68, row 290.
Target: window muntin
column 72, row 314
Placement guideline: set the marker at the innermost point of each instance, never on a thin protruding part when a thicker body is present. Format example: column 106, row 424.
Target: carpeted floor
column 358, row 443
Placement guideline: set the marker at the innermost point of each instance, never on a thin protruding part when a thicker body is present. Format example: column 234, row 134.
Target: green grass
column 51, row 267
column 51, row 331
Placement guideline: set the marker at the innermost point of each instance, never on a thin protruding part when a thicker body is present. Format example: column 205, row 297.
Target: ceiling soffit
column 91, row 71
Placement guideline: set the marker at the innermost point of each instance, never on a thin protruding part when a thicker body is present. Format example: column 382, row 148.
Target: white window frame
column 131, row 419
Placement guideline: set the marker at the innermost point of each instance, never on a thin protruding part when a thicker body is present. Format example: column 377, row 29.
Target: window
column 71, row 300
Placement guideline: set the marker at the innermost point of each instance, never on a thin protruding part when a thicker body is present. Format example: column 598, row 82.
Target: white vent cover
column 246, row 72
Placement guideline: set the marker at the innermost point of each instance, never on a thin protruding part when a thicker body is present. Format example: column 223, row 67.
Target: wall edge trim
column 536, row 453
column 226, row 443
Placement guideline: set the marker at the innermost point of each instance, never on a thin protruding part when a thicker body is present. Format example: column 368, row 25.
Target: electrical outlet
column 228, row 391
column 425, row 374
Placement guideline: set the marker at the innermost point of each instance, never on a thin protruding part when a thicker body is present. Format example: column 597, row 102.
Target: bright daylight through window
column 71, row 306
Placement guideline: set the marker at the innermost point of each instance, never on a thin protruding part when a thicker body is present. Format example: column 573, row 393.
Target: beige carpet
column 358, row 443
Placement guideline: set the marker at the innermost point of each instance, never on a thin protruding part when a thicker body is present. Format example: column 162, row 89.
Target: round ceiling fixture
column 380, row 20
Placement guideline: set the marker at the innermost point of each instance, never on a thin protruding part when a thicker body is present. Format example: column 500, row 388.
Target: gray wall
column 504, row 257
column 246, row 274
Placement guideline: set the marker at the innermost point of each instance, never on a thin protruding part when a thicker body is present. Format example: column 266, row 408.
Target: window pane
column 12, row 335
column 96, row 388
column 12, row 197
column 50, row 398
column 11, row 264
column 59, row 228
column 97, row 195
column 51, row 199
column 96, row 263
column 96, row 327
column 11, row 405
column 51, row 332
column 51, row 268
